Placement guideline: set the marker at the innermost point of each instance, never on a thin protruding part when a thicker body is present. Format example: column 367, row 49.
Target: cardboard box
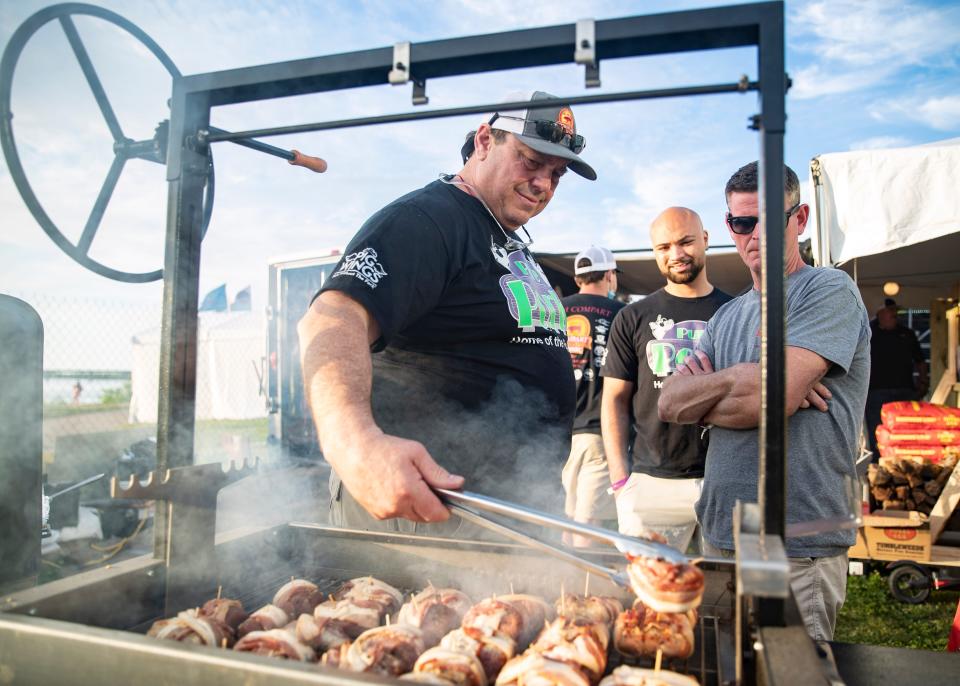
column 859, row 549
column 897, row 535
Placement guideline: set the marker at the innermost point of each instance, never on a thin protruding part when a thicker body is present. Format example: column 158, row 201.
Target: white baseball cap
column 601, row 260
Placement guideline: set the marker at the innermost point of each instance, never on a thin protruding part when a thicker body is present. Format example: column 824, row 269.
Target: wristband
column 616, row 486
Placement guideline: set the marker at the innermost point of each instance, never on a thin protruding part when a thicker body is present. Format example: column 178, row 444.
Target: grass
column 871, row 615
column 54, row 410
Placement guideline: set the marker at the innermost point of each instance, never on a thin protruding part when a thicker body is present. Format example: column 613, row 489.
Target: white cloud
column 856, row 45
column 880, row 142
column 941, row 113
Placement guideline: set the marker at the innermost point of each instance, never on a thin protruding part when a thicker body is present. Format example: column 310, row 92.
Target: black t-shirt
column 648, row 339
column 473, row 359
column 892, row 356
column 588, row 324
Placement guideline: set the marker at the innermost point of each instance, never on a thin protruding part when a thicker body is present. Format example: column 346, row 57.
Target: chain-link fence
column 101, row 379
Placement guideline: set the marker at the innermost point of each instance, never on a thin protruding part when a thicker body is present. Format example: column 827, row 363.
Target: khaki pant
column 665, row 506
column 819, row 586
column 586, row 479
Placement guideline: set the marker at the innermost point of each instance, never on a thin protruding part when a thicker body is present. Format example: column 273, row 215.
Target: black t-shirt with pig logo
column 473, row 356
column 648, row 340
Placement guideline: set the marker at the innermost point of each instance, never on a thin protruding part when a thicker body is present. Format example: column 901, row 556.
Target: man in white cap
column 657, row 483
column 435, row 354
column 590, row 313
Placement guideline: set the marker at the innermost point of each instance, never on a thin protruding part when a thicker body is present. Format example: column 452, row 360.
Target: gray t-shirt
column 824, row 315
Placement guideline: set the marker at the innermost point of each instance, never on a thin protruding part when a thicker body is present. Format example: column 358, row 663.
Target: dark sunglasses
column 743, row 226
column 550, row 131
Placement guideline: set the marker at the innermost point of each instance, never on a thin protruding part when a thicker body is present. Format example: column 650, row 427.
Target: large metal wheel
column 910, row 583
column 153, row 150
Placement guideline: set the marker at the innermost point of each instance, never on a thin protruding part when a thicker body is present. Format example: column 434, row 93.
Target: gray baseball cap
column 550, row 130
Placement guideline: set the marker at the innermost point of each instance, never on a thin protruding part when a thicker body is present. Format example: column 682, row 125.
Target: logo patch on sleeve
column 362, row 265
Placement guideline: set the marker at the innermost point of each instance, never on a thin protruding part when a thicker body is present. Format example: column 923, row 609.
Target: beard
column 696, row 266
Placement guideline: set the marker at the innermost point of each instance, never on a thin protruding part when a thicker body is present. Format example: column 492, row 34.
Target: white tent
column 891, row 215
column 230, row 350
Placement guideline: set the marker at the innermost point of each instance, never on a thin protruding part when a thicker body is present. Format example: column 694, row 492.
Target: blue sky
column 865, row 74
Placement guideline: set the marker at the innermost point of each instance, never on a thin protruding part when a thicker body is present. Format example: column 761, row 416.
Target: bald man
column 657, row 483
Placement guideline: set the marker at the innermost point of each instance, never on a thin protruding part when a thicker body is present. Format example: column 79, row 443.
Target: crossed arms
column 697, row 394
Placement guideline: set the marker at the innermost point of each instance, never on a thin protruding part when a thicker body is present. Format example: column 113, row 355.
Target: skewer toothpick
column 656, row 665
column 511, row 588
column 219, row 591
column 586, row 586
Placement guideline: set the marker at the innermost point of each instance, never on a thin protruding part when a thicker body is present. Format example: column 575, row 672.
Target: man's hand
column 695, row 365
column 817, row 397
column 391, row 477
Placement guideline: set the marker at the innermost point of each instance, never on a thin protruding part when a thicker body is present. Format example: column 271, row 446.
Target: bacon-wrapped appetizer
column 226, row 611
column 535, row 612
column 319, row 634
column 492, row 651
column 578, row 643
column 297, row 597
column 435, row 611
column 366, row 588
column 493, row 616
column 642, row 631
column 276, row 643
column 351, row 616
column 387, row 650
column 266, row 618
column 336, row 657
column 665, row 586
column 191, row 627
column 533, row 669
column 595, row 608
column 458, row 668
column 636, row 676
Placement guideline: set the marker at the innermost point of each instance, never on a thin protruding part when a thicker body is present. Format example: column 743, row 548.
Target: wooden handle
column 315, row 164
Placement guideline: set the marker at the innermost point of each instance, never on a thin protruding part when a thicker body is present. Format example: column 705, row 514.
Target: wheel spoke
column 96, row 214
column 91, row 74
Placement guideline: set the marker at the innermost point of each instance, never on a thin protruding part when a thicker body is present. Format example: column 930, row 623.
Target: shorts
column 586, row 479
column 665, row 506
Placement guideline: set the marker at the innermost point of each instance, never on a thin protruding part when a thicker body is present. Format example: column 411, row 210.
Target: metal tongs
column 462, row 503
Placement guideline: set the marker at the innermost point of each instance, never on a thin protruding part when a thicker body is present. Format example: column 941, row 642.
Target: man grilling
column 435, row 354
column 827, row 361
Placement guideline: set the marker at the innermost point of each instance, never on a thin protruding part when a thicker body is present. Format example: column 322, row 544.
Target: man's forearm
column 739, row 408
column 337, row 372
column 688, row 399
column 615, row 426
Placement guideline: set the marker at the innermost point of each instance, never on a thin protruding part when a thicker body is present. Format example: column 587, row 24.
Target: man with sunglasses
column 827, row 371
column 435, row 354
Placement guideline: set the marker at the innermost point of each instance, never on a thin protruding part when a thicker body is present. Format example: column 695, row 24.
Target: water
column 60, row 390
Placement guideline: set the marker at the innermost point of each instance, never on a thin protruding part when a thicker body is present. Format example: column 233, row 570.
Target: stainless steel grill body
column 84, row 630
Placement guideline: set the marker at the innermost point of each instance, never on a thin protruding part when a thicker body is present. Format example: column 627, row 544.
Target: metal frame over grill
column 66, row 631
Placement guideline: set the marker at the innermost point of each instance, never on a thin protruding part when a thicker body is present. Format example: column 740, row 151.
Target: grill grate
column 704, row 664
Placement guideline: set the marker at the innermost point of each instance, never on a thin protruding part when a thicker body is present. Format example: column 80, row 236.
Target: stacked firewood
column 906, row 484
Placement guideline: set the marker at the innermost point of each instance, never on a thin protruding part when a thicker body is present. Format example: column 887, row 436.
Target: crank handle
column 314, row 164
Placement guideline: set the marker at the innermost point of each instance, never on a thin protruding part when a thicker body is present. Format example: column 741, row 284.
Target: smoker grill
column 83, row 630
column 91, row 621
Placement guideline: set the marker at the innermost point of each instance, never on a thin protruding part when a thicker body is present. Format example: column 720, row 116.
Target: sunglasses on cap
column 743, row 226
column 550, row 131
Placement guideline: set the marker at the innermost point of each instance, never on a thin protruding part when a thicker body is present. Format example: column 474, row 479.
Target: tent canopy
column 892, row 215
column 641, row 276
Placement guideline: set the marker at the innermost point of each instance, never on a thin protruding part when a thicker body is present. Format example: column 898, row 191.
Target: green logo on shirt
column 532, row 301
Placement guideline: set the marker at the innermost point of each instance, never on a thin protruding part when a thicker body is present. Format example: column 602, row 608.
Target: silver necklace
column 511, row 242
